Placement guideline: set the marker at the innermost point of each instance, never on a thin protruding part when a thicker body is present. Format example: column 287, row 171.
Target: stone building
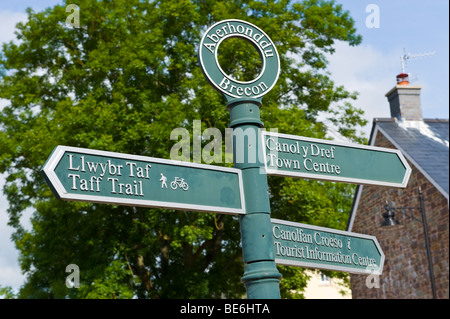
column 414, row 266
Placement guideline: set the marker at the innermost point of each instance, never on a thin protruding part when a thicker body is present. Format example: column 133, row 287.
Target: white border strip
column 279, row 172
column 288, row 262
column 58, row 153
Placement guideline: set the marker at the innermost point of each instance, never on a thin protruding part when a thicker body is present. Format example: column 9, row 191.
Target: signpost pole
column 261, row 277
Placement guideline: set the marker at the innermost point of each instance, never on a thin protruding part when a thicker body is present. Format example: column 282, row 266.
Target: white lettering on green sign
column 228, row 29
column 223, row 82
column 306, row 153
column 303, row 245
column 125, row 179
column 240, row 91
column 304, row 157
column 115, row 186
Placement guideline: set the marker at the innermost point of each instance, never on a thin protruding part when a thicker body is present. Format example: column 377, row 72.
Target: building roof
column 424, row 143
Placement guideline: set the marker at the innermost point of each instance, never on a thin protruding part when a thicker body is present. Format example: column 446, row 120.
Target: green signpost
column 261, row 277
column 105, row 177
column 310, row 246
column 320, row 160
column 304, row 157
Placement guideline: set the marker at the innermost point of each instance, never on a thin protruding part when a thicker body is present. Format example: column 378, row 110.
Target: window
column 324, row 279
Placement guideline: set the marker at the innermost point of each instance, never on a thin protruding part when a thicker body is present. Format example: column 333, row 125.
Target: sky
column 390, row 28
column 404, row 26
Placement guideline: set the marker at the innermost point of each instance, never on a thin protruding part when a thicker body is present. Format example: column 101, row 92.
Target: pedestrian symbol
column 163, row 179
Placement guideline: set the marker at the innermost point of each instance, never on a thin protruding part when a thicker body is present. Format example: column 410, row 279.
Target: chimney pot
column 404, row 100
column 403, row 79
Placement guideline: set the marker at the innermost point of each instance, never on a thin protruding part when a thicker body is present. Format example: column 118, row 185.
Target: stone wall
column 405, row 273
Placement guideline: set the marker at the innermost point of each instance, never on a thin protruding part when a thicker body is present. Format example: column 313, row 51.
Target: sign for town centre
column 106, row 177
column 298, row 156
column 310, row 246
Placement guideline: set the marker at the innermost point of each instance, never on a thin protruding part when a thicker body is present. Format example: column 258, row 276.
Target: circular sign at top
column 223, row 82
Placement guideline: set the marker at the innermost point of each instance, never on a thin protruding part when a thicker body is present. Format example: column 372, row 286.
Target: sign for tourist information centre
column 304, row 157
column 310, row 246
column 105, row 177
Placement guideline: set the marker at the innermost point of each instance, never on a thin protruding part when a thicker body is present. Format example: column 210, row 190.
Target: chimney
column 404, row 100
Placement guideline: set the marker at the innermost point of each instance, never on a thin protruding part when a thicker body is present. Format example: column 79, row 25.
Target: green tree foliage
column 122, row 82
column 6, row 293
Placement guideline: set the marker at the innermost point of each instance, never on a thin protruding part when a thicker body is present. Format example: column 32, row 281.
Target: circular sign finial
column 221, row 81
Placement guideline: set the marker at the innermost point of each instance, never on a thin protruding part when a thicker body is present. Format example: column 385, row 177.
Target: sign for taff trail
column 95, row 176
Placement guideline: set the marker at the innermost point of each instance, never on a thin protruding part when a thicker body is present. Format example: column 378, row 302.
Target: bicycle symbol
column 179, row 182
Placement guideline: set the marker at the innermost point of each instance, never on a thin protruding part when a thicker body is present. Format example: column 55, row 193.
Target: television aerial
column 404, row 78
column 407, row 56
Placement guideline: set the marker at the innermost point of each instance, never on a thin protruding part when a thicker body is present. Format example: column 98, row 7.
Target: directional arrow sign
column 105, row 177
column 310, row 246
column 303, row 157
